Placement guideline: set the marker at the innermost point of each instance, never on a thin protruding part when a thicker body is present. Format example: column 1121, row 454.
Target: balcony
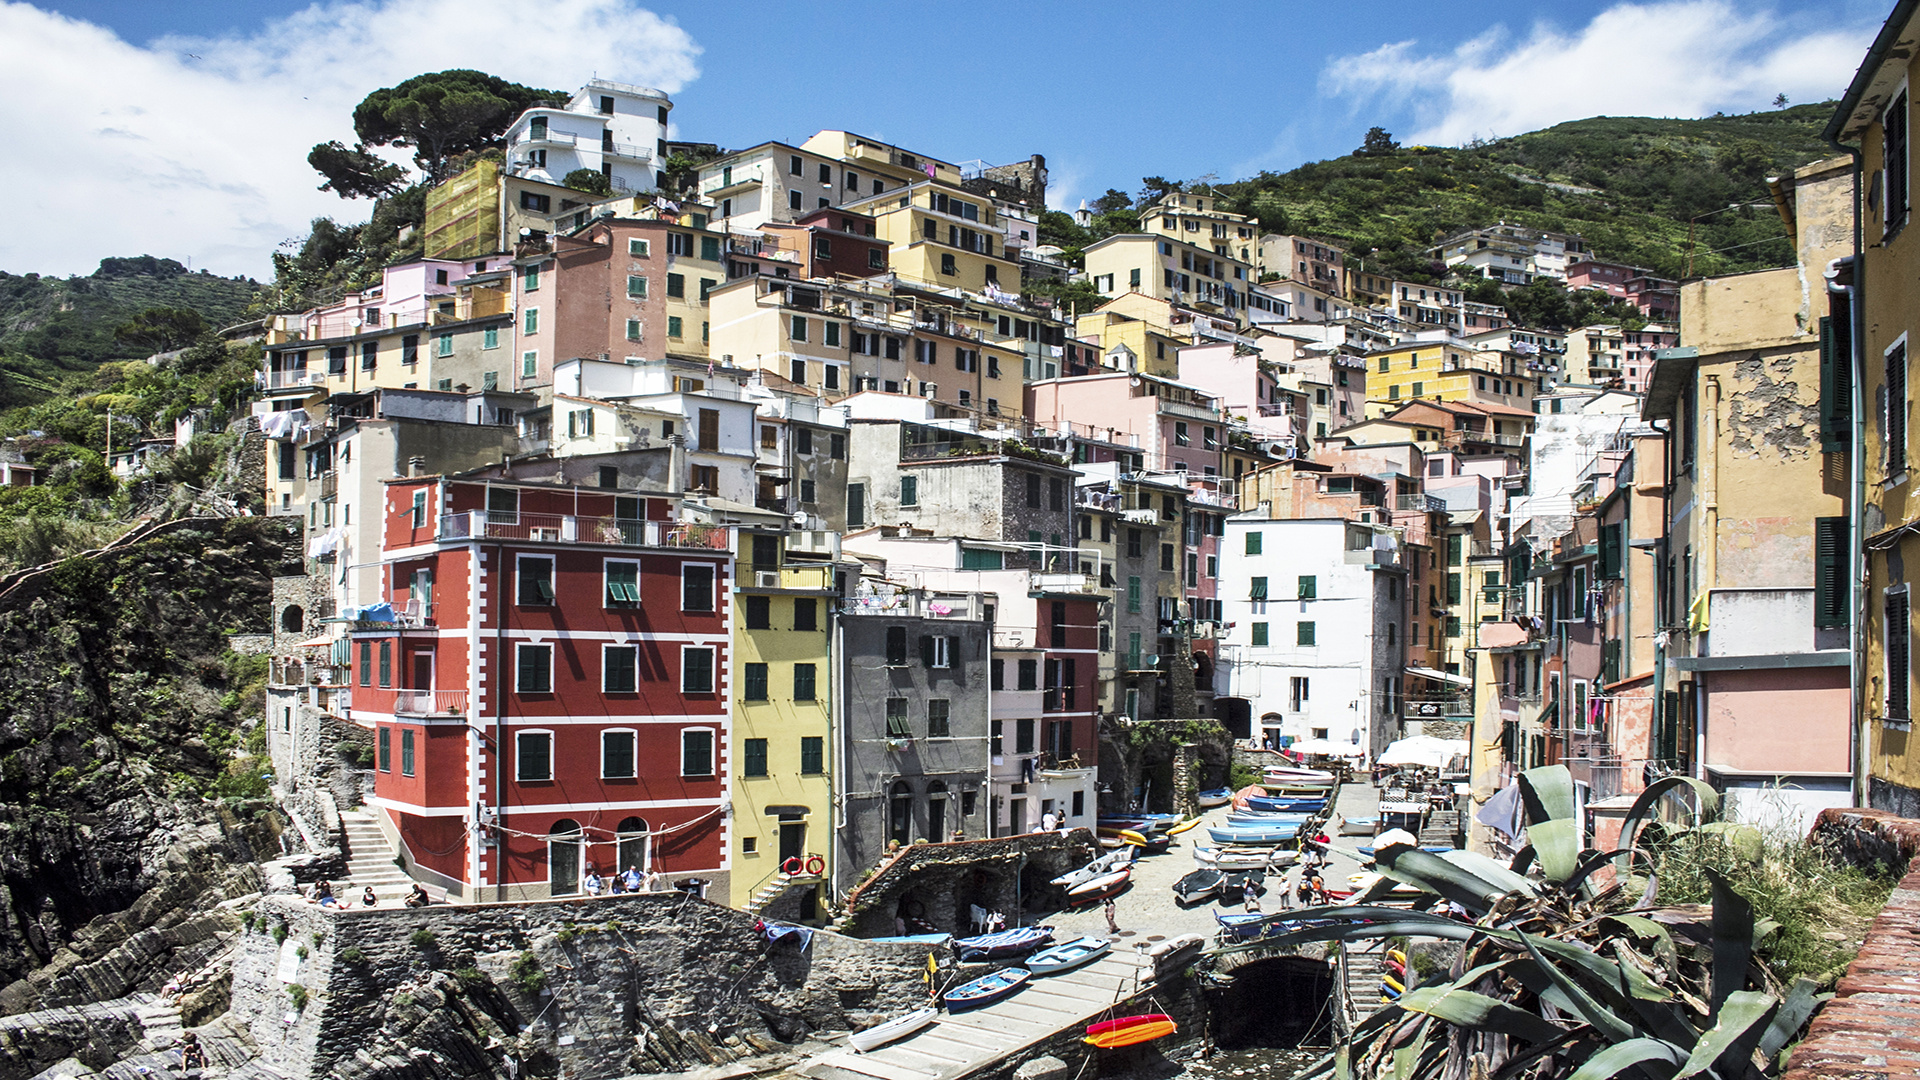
column 429, row 702
column 569, row 529
column 1060, row 583
column 626, row 151
column 299, row 377
column 1424, row 504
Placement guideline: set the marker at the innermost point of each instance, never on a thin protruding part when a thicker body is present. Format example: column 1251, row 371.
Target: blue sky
column 1108, row 92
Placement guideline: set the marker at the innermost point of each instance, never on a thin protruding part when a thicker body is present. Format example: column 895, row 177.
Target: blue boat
column 1007, row 943
column 1243, row 927
column 1256, row 835
column 1066, row 957
column 1214, row 797
column 986, row 989
column 1286, row 804
column 1238, row 818
column 915, row 939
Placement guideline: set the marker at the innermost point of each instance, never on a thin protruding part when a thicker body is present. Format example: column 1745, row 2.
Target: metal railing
column 429, row 702
column 568, row 528
column 283, row 380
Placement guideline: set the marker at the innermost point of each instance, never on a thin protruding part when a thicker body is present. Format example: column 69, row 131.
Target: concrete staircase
column 775, row 887
column 1363, row 970
column 370, row 862
column 1442, row 827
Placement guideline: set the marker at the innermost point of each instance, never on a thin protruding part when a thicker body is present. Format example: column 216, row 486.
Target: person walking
column 1113, row 922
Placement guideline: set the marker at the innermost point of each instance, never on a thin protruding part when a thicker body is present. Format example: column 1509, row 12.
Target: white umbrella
column 1424, row 750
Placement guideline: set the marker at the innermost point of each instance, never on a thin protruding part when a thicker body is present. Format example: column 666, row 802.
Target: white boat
column 1287, row 774
column 1237, row 858
column 1067, row 956
column 1357, row 826
column 1100, row 867
column 1099, row 888
column 897, row 1028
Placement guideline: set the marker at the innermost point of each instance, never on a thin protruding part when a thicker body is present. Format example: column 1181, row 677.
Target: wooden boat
column 1088, row 892
column 1197, row 886
column 986, row 989
column 1067, row 956
column 1130, row 1030
column 1214, row 797
column 1006, row 943
column 1238, row 858
column 1105, row 864
column 1358, row 826
column 1255, row 835
column 1234, row 885
column 1303, row 804
column 898, row 1028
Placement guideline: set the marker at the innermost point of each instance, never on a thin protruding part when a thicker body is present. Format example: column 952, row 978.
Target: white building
column 1315, row 641
column 614, row 129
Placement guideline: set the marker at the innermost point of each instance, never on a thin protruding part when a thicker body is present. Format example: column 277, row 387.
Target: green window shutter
column 1610, row 551
column 1836, row 383
column 1453, row 550
column 1303, row 634
column 1253, row 543
column 1453, row 588
column 1259, row 633
column 1832, row 600
column 1309, row 586
column 756, row 682
column 803, row 683
column 1610, row 661
column 1133, row 595
column 677, row 285
column 710, row 248
column 813, row 754
column 1257, row 589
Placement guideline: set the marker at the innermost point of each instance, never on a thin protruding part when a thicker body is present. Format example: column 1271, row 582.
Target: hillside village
column 834, row 530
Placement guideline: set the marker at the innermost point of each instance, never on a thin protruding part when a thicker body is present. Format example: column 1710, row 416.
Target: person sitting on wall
column 594, row 885
column 323, row 894
column 367, row 899
column 417, row 896
column 632, row 879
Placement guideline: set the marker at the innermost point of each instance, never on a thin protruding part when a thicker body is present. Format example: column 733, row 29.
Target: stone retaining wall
column 1871, row 1028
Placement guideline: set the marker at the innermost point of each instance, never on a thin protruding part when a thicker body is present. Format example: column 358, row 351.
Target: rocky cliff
column 125, row 818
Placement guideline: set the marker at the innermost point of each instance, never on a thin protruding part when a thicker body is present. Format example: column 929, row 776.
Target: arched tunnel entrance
column 1272, row 1001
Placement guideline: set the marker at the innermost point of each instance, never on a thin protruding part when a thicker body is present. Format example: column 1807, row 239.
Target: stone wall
column 1871, row 1028
column 647, row 983
column 940, row 883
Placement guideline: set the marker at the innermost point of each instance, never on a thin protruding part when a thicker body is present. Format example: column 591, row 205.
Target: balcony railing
column 570, row 529
column 1420, row 503
column 429, row 702
column 286, row 380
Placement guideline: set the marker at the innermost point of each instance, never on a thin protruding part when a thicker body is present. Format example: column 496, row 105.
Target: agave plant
column 1558, row 975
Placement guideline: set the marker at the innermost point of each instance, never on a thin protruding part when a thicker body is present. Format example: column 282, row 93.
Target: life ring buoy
column 815, row 864
column 792, row 866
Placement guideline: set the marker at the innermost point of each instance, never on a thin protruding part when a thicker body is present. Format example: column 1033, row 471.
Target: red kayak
column 1125, row 1021
column 1127, row 1031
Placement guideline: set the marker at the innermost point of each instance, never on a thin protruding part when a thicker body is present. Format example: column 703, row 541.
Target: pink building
column 1179, row 428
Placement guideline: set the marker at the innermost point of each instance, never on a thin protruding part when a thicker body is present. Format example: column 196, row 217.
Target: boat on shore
column 1068, row 955
column 1256, row 835
column 1284, row 804
column 986, row 989
column 898, row 1028
column 1234, row 885
column 915, row 939
column 1197, row 886
column 1105, row 864
column 1097, row 889
column 1243, row 858
column 1004, row 944
column 1214, row 797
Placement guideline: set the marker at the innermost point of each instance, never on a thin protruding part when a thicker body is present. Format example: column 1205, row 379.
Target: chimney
column 416, row 466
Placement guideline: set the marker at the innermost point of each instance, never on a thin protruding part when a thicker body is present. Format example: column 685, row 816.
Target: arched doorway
column 292, row 619
column 900, row 813
column 937, row 811
column 1271, row 725
column 631, row 843
column 563, row 857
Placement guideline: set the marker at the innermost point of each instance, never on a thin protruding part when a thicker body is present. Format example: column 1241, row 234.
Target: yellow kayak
column 1183, row 827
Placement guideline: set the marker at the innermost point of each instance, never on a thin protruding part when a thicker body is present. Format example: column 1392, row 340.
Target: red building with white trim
column 551, row 693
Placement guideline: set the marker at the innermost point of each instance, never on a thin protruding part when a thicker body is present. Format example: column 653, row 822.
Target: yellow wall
column 783, row 723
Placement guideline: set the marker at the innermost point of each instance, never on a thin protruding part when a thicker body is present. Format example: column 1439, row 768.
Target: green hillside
column 1628, row 185
column 51, row 327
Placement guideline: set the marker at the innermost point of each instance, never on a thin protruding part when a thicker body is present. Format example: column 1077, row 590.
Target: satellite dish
column 800, row 519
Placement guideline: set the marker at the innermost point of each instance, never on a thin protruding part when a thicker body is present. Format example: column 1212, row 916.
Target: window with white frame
column 533, row 668
column 696, row 752
column 533, row 580
column 619, row 669
column 623, row 583
column 939, row 651
column 532, row 756
column 617, row 759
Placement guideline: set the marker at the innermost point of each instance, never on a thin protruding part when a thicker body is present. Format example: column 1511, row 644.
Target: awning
column 1440, row 676
column 313, row 642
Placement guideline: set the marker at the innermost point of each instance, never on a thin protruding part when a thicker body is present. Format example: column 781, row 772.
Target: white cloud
column 1686, row 58
column 197, row 148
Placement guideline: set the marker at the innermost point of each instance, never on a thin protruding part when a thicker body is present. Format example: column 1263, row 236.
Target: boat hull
column 1006, row 943
column 1255, row 837
column 986, row 990
column 1130, row 1030
column 1099, row 888
column 1066, row 957
column 891, row 1031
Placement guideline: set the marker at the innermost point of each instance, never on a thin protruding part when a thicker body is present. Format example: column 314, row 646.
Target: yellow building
column 1140, row 324
column 941, row 235
column 1869, row 324
column 1446, row 371
column 1167, row 267
column 1198, row 220
column 782, row 750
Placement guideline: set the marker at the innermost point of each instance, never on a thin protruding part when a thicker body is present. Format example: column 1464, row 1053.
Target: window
column 909, row 491
column 636, row 286
column 533, row 669
column 533, row 756
column 794, row 166
column 1894, row 152
column 445, row 345
column 832, row 334
column 898, row 726
column 640, row 249
column 793, row 200
column 936, row 651
column 837, row 447
column 1303, row 633
column 677, row 285
column 696, row 587
column 1033, row 492
column 696, row 669
column 1257, row 589
column 386, row 749
column 1029, row 675
column 1133, row 543
column 1309, row 587
column 803, row 683
column 754, row 682
column 419, row 511
column 856, row 504
column 1297, row 693
column 813, row 755
column 531, row 323
column 535, row 584
column 896, row 645
column 1253, row 543
column 798, row 328
column 1166, row 557
column 1023, row 735
column 806, row 614
column 1896, row 438
column 1259, row 634
column 530, row 361
column 1133, row 595
column 619, row 669
column 937, row 719
column 753, row 758
column 759, row 613
column 369, row 355
column 696, row 752
column 680, row 244
column 617, row 757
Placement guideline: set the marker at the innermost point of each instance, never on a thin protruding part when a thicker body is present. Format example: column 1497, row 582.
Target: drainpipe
column 1857, row 496
column 502, row 667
